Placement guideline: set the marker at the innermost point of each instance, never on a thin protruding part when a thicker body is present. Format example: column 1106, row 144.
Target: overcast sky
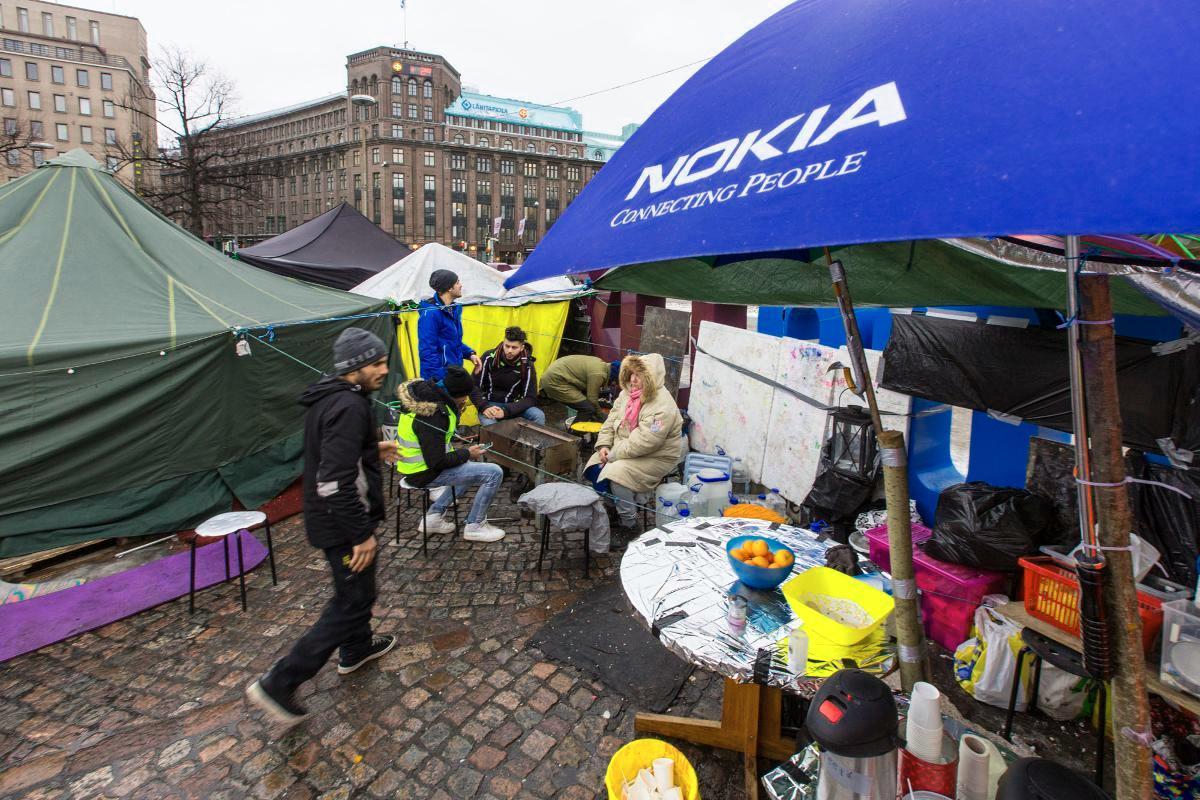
column 546, row 51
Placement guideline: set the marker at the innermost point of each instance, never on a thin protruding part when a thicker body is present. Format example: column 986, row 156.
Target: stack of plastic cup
column 924, row 726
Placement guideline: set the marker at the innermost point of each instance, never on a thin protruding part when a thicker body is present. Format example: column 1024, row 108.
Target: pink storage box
column 950, row 593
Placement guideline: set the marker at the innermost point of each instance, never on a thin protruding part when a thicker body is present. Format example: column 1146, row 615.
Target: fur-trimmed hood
column 423, row 398
column 652, row 369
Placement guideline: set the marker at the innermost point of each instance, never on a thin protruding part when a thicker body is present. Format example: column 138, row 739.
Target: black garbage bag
column 990, row 527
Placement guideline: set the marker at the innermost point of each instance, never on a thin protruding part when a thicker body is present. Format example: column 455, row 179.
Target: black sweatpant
column 345, row 623
column 587, row 411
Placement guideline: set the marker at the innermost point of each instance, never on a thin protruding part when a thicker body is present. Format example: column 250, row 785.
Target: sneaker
column 438, row 524
column 283, row 711
column 379, row 646
column 482, row 532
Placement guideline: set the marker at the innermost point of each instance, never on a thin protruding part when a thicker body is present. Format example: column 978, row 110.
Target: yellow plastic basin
column 836, row 606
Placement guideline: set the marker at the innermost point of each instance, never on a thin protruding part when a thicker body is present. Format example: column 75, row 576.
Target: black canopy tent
column 340, row 249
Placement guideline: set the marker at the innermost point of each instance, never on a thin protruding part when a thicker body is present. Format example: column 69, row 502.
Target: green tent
column 896, row 274
column 124, row 406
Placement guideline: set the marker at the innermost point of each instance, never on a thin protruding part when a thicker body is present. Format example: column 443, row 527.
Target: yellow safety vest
column 411, row 461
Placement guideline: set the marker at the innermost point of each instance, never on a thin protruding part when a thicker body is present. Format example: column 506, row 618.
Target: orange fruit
column 784, row 558
column 738, row 553
column 760, row 548
column 760, row 561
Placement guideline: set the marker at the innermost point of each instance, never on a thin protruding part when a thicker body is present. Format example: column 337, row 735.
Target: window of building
column 507, row 192
column 506, row 144
column 356, row 159
column 430, row 158
column 458, row 139
column 95, row 29
column 430, row 185
column 23, row 20
column 483, row 164
column 427, row 135
column 8, row 97
column 35, row 100
column 458, row 161
column 531, row 169
column 412, row 110
column 412, row 87
column 72, row 29
column 36, row 129
column 106, row 82
column 483, row 191
column 110, row 110
column 574, row 152
column 357, row 134
column 375, row 157
column 61, row 132
column 397, row 131
column 85, row 106
column 572, row 173
column 47, row 24
column 10, row 126
column 85, row 134
column 397, row 155
column 81, row 78
column 60, row 103
column 38, row 157
column 397, row 109
column 5, row 68
column 508, row 166
column 112, row 163
column 484, row 141
column 427, row 90
column 427, row 113
column 397, row 85
column 531, row 148
column 458, row 187
column 110, row 136
column 57, row 74
column 14, row 157
column 552, row 171
column 31, row 70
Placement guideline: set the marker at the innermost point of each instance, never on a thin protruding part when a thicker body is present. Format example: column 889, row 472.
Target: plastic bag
column 984, row 664
column 990, row 527
column 1061, row 695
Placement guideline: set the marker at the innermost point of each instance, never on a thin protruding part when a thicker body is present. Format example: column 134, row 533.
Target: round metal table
column 678, row 579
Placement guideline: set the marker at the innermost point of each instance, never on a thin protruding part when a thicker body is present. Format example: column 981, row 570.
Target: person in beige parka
column 641, row 441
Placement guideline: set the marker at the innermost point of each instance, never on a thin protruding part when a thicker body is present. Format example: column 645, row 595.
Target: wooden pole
column 910, row 638
column 1130, row 708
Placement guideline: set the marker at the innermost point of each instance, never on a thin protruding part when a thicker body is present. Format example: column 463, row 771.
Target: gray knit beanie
column 356, row 348
column 442, row 280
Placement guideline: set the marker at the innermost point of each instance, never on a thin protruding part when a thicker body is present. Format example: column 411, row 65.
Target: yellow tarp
column 483, row 329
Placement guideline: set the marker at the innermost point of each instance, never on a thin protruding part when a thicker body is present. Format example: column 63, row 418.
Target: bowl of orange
column 759, row 562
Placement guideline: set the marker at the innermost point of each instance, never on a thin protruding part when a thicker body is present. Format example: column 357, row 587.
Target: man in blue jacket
column 439, row 328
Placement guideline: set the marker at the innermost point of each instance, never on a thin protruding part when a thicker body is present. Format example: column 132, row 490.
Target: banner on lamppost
column 496, row 226
column 521, row 228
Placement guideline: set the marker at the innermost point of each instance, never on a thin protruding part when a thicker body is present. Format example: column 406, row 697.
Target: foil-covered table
column 679, row 581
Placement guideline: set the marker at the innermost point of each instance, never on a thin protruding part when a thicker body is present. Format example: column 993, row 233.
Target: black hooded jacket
column 343, row 487
column 512, row 385
column 432, row 406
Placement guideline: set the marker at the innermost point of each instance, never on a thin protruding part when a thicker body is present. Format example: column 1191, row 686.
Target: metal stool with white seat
column 222, row 526
column 426, row 502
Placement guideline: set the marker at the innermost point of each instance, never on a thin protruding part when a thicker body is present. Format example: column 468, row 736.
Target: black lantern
column 850, row 445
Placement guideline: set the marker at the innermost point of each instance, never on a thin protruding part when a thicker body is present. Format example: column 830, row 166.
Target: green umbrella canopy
column 896, row 274
column 124, row 408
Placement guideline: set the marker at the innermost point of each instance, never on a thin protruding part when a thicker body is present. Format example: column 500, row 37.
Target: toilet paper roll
column 664, row 773
column 974, row 761
column 674, row 793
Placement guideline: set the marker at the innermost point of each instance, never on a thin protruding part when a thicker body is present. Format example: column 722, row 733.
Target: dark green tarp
column 892, row 274
column 124, row 408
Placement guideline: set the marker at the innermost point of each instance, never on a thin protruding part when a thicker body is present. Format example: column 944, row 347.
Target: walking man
column 426, row 428
column 506, row 384
column 343, row 503
column 439, row 327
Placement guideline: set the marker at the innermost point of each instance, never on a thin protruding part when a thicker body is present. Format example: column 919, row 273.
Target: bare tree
column 204, row 169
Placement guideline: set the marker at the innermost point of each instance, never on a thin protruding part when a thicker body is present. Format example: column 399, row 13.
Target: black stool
column 1044, row 648
column 426, row 502
column 587, row 545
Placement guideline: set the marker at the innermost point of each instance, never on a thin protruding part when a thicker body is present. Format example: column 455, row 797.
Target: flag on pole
column 496, row 226
column 521, row 228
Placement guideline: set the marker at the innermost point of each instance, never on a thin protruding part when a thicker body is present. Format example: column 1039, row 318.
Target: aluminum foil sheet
column 679, row 581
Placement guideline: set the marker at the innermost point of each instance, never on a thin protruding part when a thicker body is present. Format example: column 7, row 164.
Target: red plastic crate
column 1052, row 595
column 950, row 593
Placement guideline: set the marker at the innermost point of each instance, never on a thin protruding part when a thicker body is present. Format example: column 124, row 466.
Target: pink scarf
column 633, row 408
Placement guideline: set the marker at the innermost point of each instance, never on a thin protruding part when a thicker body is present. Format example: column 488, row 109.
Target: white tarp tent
column 408, row 280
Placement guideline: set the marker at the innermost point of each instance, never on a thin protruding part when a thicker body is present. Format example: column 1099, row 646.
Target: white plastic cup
column 798, row 651
column 924, row 743
column 664, row 773
column 924, row 709
column 974, row 758
column 636, row 790
column 674, row 793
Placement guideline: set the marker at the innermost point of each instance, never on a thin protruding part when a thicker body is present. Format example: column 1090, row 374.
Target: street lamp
column 364, row 101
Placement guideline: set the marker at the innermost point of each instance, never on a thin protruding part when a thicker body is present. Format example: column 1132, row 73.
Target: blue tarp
column 891, row 120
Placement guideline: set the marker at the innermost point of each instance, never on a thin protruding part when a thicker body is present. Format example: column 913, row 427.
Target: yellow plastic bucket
column 829, row 601
column 640, row 754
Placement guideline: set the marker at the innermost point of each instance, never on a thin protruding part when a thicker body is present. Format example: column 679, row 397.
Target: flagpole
column 404, row 19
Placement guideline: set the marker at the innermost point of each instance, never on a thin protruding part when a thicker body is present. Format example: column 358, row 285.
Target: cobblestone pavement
column 152, row 706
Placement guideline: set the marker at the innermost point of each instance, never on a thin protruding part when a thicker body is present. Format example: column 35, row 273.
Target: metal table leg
column 241, row 569
column 192, row 582
column 271, row 554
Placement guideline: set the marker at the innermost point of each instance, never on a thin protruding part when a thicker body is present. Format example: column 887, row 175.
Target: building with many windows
column 422, row 157
column 72, row 77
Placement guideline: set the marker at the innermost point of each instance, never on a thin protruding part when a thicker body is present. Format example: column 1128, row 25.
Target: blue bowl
column 759, row 577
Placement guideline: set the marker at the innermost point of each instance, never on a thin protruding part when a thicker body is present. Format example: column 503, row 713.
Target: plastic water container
column 664, row 512
column 674, row 492
column 714, row 489
column 694, row 501
column 741, row 476
column 950, row 593
column 698, row 461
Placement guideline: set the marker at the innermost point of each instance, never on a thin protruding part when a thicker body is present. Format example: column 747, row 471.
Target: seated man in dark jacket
column 506, row 384
column 427, row 459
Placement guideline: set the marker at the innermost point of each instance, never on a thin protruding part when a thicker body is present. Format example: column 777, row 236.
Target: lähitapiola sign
column 832, row 125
